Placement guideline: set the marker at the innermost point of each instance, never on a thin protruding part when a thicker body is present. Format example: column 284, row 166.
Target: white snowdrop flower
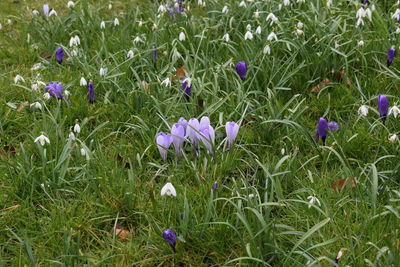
column 248, row 27
column 299, row 32
column 42, row 139
column 109, row 6
column 176, row 55
column 36, row 66
column 140, row 23
column 35, row 87
column 328, row 3
column 137, row 39
column 154, row 27
column 258, row 30
column 248, row 35
column 67, row 93
column 396, row 14
column 162, row 9
column 312, row 201
column 77, row 128
column 70, row 4
column 363, row 110
column 286, row 2
column 360, row 13
column 301, row 1
column 35, row 12
column 46, row 96
column 271, row 17
column 130, row 54
column 368, row 13
column 71, row 136
column 226, row 37
column 360, row 21
column 102, row 71
column 102, row 25
column 168, row 189
column 225, row 10
column 166, row 82
column 361, row 43
column 394, row 110
column 82, row 82
column 53, row 13
column 83, row 152
column 300, row 25
column 18, row 78
column 73, row 41
column 116, row 22
column 373, row 7
column 283, row 151
column 36, row 105
column 398, row 30
column 279, row 6
column 242, row 4
column 256, row 14
column 337, row 45
column 74, row 52
column 41, row 83
column 200, row 2
column 251, row 196
column 182, row 36
column 393, row 138
column 272, row 36
column 267, row 50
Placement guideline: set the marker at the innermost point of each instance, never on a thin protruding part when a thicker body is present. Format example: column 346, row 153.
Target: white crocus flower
column 53, row 13
column 102, row 71
column 226, row 37
column 46, row 10
column 258, row 30
column 267, row 50
column 18, row 78
column 82, row 82
column 102, row 25
column 42, row 139
column 272, row 36
column 168, row 189
column 248, row 35
column 116, row 22
column 393, row 138
column 363, row 110
column 273, row 18
column 77, row 128
column 166, row 82
column 130, row 54
column 225, row 10
column 182, row 36
column 36, row 105
column 312, row 201
column 70, row 4
column 395, row 111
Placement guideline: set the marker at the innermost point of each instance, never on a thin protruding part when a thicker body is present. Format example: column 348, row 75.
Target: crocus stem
column 173, row 248
column 195, row 153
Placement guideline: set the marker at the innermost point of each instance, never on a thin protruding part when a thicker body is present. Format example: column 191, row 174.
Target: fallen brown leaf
column 180, row 72
column 23, row 105
column 345, row 182
column 321, row 85
column 122, row 232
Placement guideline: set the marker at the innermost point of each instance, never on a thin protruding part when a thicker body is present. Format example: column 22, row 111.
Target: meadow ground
column 278, row 197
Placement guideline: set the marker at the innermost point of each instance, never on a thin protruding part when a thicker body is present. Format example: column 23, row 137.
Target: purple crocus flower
column 207, row 136
column 365, row 2
column 59, row 55
column 192, row 131
column 171, row 11
column 91, row 93
column 214, row 188
column 204, row 121
column 241, row 69
column 390, row 56
column 333, row 126
column 321, row 130
column 163, row 142
column 383, row 106
column 46, row 10
column 154, row 53
column 232, row 129
column 182, row 121
column 55, row 90
column 180, row 8
column 187, row 87
column 178, row 137
column 170, row 237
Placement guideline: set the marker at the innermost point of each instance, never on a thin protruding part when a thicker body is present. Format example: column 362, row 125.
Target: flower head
column 207, row 136
column 178, row 137
column 395, row 111
column 333, row 126
column 170, row 237
column 232, row 129
column 241, row 69
column 393, row 138
column 192, row 131
column 154, row 53
column 187, row 87
column 77, row 128
column 390, row 56
column 59, row 55
column 383, row 106
column 169, row 190
column 54, row 89
column 163, row 142
column 312, row 201
column 91, row 93
column 82, row 82
column 214, row 188
column 46, row 10
column 363, row 110
column 322, row 129
column 42, row 139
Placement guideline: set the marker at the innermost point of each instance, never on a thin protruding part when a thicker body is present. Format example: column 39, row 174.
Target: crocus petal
column 241, row 69
column 232, row 129
column 178, row 137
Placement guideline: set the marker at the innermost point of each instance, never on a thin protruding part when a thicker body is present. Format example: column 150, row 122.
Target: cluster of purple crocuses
column 194, row 131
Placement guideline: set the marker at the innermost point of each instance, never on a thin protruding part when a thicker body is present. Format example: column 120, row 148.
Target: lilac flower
column 91, row 93
column 178, row 137
column 187, row 87
column 204, row 121
column 214, row 188
column 192, row 131
column 232, row 129
column 321, row 130
column 46, row 10
column 171, row 11
column 180, row 8
column 170, row 237
column 55, row 90
column 182, row 121
column 390, row 56
column 241, row 69
column 333, row 126
column 154, row 53
column 383, row 106
column 163, row 142
column 59, row 55
column 207, row 136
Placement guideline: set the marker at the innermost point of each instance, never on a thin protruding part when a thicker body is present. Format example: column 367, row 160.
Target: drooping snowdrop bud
column 182, row 36
column 130, row 54
column 70, row 4
column 242, row 4
column 225, row 10
column 393, row 138
column 168, row 189
column 267, row 50
column 77, row 128
column 71, row 136
column 361, row 43
column 82, row 82
column 83, row 152
column 110, row 6
column 34, row 12
column 102, row 25
column 166, row 82
column 312, row 201
column 248, row 36
column 53, row 13
column 395, row 111
column 36, row 105
column 286, row 2
column 272, row 36
column 42, row 139
column 363, row 110
column 258, row 30
column 46, row 96
column 18, row 78
column 102, row 71
column 116, row 22
column 226, row 37
column 273, row 18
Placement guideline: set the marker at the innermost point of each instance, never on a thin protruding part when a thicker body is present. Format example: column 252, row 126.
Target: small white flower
column 368, row 13
column 46, row 96
column 36, row 105
column 74, row 53
column 273, row 18
column 67, row 93
column 162, row 9
column 283, row 151
column 116, row 22
column 329, row 3
column 154, row 27
column 35, row 12
column 248, row 27
column 312, row 201
column 251, row 196
column 398, row 30
column 36, row 66
column 360, row 21
column 110, row 6
column 395, row 111
column 71, row 136
column 168, row 189
column 286, row 2
column 361, row 43
column 182, row 36
column 393, row 138
column 256, row 14
column 166, row 82
column 130, row 54
column 83, row 152
column 18, row 78
column 77, row 128
column 225, row 10
column 102, row 25
column 226, row 37
column 82, row 82
column 74, row 41
column 272, row 36
column 140, row 23
column 35, row 87
column 42, row 139
column 248, row 35
column 242, row 4
column 103, row 71
column 396, row 14
column 53, row 13
column 258, row 30
column 137, row 39
column 337, row 45
column 267, row 50
column 363, row 110
column 298, row 32
column 70, row 4
column 300, row 25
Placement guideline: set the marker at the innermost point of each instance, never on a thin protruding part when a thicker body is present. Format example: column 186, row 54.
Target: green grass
column 58, row 207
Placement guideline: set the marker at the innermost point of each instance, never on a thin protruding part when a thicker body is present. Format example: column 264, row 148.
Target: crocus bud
column 383, row 106
column 178, row 137
column 59, row 55
column 163, row 142
column 333, row 126
column 241, row 69
column 232, row 129
column 154, row 53
column 214, row 188
column 170, row 237
column 192, row 131
column 207, row 136
column 187, row 87
column 46, row 10
column 390, row 56
column 91, row 93
column 321, row 130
